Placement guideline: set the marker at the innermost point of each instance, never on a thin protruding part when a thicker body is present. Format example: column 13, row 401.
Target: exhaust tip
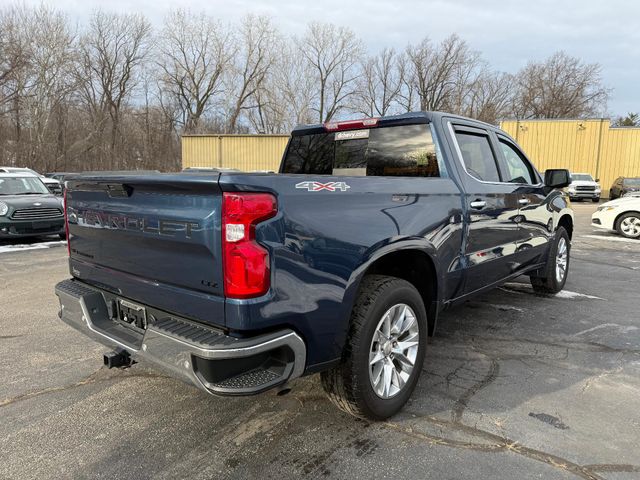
column 284, row 390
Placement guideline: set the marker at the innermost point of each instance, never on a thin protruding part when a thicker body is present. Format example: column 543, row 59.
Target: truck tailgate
column 151, row 238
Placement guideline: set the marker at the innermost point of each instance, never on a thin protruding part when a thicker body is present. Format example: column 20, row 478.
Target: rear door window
column 402, row 151
column 477, row 155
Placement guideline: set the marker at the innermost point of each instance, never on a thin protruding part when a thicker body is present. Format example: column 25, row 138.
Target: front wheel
column 628, row 225
column 595, row 200
column 553, row 276
column 385, row 350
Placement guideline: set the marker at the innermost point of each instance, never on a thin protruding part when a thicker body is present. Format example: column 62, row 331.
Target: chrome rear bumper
column 201, row 355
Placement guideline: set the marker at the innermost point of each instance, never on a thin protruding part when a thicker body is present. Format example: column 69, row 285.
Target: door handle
column 478, row 204
column 524, row 201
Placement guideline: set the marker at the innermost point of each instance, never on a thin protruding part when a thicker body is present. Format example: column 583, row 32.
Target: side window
column 478, row 156
column 516, row 168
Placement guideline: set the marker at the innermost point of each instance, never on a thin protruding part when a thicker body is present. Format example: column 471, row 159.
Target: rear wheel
column 385, row 349
column 628, row 225
column 553, row 276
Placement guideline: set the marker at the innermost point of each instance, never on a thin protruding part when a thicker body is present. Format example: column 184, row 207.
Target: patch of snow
column 30, row 246
column 622, row 329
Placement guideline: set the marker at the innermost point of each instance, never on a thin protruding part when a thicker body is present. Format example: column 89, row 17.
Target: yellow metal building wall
column 244, row 152
column 590, row 146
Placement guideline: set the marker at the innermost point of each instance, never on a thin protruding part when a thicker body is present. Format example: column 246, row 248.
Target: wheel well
column 415, row 267
column 567, row 223
column 615, row 223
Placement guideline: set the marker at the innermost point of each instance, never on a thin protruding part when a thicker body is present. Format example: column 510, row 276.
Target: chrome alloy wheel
column 562, row 259
column 630, row 226
column 393, row 350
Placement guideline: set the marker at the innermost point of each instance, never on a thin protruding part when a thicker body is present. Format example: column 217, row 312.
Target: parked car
column 53, row 185
column 340, row 263
column 60, row 176
column 583, row 186
column 621, row 215
column 28, row 208
column 622, row 186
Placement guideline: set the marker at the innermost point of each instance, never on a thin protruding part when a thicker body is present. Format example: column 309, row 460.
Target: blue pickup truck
column 339, row 264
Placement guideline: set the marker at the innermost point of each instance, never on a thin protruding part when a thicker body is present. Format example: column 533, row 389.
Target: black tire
column 348, row 385
column 545, row 281
column 63, row 236
column 595, row 200
column 627, row 216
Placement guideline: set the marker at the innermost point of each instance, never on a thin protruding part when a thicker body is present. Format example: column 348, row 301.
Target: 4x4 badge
column 318, row 186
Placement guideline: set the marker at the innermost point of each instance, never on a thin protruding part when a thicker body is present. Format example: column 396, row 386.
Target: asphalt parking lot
column 515, row 386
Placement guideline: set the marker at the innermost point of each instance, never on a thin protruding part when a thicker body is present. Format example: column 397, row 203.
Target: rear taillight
column 66, row 222
column 245, row 261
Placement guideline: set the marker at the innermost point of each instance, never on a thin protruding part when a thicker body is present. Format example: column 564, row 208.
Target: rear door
column 154, row 239
column 492, row 207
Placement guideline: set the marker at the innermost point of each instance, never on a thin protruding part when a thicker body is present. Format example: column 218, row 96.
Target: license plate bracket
column 131, row 314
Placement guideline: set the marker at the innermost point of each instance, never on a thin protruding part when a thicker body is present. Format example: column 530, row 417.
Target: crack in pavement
column 500, row 442
column 497, row 443
column 613, row 467
column 585, row 346
column 463, row 401
column 86, row 381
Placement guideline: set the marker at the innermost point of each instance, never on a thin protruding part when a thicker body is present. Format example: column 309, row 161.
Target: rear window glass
column 403, row 151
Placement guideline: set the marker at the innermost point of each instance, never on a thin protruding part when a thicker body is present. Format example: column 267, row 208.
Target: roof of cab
column 395, row 120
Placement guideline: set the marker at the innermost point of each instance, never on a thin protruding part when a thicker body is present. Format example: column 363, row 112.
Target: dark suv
column 622, row 186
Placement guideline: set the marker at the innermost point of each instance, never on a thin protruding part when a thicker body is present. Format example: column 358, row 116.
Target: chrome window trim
column 464, row 167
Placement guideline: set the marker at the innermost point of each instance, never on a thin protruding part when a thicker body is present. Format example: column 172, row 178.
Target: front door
column 535, row 216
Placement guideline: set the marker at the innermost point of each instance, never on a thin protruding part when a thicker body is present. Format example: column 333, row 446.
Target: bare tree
column 333, row 53
column 379, row 85
column 112, row 51
column 194, row 53
column 287, row 95
column 13, row 56
column 490, row 97
column 96, row 100
column 50, row 84
column 253, row 60
column 435, row 69
column 560, row 86
column 408, row 98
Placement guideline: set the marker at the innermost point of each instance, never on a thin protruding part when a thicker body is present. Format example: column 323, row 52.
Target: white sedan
column 622, row 215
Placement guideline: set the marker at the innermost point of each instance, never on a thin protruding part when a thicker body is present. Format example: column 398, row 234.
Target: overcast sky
column 508, row 33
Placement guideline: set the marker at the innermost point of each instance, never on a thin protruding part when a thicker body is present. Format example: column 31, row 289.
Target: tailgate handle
column 119, row 190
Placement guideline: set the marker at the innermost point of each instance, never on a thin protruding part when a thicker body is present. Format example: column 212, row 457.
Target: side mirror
column 557, row 178
column 597, row 180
